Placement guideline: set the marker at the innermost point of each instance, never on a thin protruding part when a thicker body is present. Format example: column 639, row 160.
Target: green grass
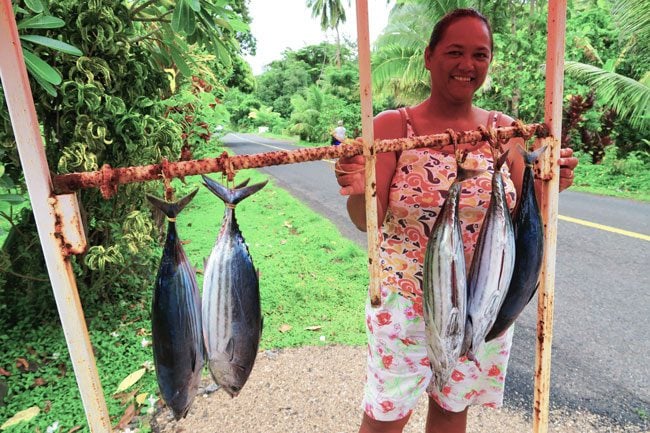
column 627, row 178
column 309, row 277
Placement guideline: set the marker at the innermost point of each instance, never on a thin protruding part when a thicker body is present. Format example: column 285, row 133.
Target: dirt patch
column 318, row 389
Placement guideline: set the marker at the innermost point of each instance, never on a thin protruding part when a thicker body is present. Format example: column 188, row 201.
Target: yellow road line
column 604, row 227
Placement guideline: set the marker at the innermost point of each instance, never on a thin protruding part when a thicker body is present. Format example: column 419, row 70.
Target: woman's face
column 459, row 62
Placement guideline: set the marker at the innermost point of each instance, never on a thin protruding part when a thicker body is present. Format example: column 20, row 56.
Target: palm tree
column 630, row 98
column 332, row 15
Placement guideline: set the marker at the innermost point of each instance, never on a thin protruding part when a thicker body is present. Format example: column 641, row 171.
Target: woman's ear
column 428, row 53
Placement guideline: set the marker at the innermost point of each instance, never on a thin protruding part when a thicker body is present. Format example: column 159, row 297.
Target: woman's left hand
column 567, row 164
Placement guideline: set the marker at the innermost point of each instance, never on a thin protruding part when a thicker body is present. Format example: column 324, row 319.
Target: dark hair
column 453, row 16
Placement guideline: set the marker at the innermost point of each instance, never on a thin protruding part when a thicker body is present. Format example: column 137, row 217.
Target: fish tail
column 243, row 184
column 235, row 195
column 531, row 157
column 467, row 338
column 502, row 159
column 466, row 173
column 171, row 209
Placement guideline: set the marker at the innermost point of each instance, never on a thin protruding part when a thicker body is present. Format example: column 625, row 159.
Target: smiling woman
column 411, row 189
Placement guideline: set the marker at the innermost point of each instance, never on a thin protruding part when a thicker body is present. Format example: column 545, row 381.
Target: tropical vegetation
column 130, row 82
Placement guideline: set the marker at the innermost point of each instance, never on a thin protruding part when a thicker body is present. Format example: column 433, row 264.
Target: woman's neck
column 447, row 111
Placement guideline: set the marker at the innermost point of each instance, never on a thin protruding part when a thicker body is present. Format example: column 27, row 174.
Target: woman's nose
column 466, row 63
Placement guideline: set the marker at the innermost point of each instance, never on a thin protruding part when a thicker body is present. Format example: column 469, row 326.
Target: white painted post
column 37, row 177
column 365, row 81
column 556, row 25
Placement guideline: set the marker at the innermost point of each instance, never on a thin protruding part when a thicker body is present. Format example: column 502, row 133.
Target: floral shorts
column 398, row 371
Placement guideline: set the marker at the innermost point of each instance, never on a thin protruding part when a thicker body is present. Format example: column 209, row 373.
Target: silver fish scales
column 529, row 245
column 232, row 317
column 444, row 287
column 492, row 265
column 176, row 319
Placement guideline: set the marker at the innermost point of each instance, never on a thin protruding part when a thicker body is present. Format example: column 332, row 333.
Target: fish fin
column 193, row 357
column 230, row 349
column 171, row 209
column 232, row 196
column 218, row 189
column 453, row 325
column 533, row 294
column 530, row 157
column 502, row 159
column 243, row 184
column 467, row 339
column 464, row 174
column 242, row 193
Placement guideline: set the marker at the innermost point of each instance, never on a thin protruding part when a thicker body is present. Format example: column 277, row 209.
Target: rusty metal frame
column 56, row 211
column 108, row 178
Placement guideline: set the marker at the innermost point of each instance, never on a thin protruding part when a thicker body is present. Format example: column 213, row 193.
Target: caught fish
column 492, row 265
column 232, row 316
column 444, row 287
column 529, row 247
column 176, row 318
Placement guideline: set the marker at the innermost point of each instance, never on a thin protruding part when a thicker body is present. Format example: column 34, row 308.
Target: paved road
column 601, row 349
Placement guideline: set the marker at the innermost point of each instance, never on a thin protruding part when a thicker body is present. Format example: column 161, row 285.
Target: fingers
column 567, row 163
column 566, row 177
column 567, row 160
column 566, row 173
column 350, row 175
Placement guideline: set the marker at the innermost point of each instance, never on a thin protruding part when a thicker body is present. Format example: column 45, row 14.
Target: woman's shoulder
column 505, row 120
column 388, row 124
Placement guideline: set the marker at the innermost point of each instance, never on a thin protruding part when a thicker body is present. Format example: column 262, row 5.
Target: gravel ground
column 318, row 390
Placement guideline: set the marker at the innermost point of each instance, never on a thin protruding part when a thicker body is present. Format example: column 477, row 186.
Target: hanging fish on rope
column 492, row 265
column 232, row 317
column 529, row 246
column 444, row 287
column 176, row 318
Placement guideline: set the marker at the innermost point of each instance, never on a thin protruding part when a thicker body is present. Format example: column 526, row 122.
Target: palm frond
column 629, row 98
column 399, row 71
column 633, row 18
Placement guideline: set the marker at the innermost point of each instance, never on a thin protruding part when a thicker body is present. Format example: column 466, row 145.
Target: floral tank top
column 418, row 189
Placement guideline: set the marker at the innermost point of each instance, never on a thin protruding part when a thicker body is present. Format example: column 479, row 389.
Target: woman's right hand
column 351, row 175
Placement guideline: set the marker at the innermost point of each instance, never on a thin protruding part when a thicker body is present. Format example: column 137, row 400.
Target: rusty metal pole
column 556, row 25
column 369, row 150
column 46, row 207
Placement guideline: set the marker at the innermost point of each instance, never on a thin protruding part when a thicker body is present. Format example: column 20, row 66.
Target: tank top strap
column 406, row 123
column 493, row 119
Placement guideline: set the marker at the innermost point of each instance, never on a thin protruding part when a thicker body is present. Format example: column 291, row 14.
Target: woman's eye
column 455, row 53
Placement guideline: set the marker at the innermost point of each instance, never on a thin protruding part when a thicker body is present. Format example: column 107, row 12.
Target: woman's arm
column 350, row 172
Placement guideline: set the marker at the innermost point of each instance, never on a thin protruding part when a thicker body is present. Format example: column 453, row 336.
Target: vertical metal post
column 365, row 80
column 556, row 25
column 37, row 177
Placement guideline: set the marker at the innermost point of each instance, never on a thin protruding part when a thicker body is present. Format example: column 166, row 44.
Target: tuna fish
column 176, row 318
column 529, row 246
column 444, row 287
column 232, row 317
column 492, row 265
